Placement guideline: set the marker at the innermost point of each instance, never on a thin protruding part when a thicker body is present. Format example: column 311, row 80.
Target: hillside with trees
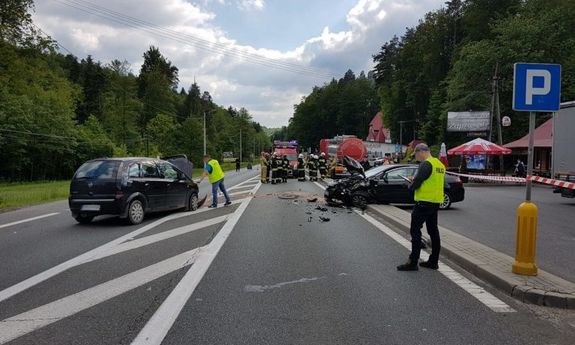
column 446, row 63
column 57, row 111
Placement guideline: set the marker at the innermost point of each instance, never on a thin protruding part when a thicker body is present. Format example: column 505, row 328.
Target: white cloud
column 248, row 5
column 233, row 73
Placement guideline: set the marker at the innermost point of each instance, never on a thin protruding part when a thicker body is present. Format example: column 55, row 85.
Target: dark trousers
column 424, row 212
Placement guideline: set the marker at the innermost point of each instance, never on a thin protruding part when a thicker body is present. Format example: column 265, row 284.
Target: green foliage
column 447, row 62
column 25, row 194
column 57, row 112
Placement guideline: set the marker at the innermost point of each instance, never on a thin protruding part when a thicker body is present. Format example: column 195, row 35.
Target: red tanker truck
column 343, row 145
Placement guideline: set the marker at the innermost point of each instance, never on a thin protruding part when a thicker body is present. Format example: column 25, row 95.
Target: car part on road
column 360, row 200
column 136, row 212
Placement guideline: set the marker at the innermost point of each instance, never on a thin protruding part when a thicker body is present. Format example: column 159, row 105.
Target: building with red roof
column 543, row 143
column 377, row 132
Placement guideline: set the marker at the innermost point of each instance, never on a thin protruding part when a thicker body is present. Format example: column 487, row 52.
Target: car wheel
column 84, row 219
column 359, row 200
column 192, row 202
column 446, row 202
column 136, row 212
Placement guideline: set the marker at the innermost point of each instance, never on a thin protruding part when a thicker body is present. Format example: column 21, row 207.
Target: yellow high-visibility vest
column 431, row 190
column 217, row 172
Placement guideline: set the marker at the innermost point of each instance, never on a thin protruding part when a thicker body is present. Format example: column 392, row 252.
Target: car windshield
column 98, row 170
column 374, row 171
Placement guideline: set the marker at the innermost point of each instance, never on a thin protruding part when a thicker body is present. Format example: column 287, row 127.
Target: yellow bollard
column 526, row 240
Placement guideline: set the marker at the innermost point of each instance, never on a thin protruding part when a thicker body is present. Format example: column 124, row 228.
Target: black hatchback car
column 131, row 187
column 387, row 184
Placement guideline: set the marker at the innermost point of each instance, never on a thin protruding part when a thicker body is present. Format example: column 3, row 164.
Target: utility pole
column 205, row 151
column 241, row 149
column 496, row 109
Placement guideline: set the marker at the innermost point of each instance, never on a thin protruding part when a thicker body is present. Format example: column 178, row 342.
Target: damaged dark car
column 387, row 184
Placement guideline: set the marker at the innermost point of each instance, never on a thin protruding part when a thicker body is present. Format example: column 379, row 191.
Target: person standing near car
column 216, row 175
column 428, row 188
column 238, row 164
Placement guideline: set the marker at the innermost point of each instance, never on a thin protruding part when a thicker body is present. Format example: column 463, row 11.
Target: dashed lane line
column 160, row 323
column 28, row 220
column 489, row 300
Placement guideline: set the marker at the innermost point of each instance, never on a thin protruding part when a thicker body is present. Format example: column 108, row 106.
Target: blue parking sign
column 536, row 87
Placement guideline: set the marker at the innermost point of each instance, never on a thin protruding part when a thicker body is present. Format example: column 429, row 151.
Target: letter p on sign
column 537, row 87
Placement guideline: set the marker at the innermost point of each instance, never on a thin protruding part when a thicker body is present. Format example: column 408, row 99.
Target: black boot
column 430, row 265
column 408, row 266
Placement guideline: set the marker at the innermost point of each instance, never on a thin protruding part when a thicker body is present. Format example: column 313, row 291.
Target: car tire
column 446, row 204
column 135, row 212
column 360, row 200
column 84, row 219
column 192, row 202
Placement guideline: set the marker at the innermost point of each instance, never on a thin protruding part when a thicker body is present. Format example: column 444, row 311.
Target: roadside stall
column 474, row 156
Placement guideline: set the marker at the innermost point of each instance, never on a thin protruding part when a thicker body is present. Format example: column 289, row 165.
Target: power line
column 48, row 36
column 189, row 39
column 221, row 48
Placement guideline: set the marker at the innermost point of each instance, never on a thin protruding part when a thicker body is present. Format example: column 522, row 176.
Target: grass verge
column 14, row 195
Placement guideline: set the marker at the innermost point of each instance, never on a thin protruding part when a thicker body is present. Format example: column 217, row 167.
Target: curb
column 512, row 287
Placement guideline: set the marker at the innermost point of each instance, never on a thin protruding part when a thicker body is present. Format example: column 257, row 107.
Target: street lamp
column 205, row 98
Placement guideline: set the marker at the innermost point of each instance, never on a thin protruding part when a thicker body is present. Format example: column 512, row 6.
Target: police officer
column 322, row 164
column 285, row 167
column 428, row 188
column 264, row 167
column 300, row 168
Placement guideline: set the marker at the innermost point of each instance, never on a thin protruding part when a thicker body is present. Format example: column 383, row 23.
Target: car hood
column 353, row 166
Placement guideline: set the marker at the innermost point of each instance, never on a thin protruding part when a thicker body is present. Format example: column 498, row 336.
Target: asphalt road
column 266, row 270
column 488, row 215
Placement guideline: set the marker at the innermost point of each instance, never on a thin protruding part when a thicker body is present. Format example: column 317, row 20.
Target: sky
column 264, row 55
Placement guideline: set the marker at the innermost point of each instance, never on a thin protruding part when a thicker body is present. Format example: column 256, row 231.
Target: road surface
column 266, row 270
column 488, row 215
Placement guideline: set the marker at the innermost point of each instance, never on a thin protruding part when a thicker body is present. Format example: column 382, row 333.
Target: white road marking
column 160, row 323
column 144, row 241
column 87, row 257
column 29, row 220
column 31, row 320
column 489, row 300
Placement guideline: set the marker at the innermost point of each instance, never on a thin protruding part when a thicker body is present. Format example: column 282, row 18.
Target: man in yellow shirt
column 216, row 175
column 428, row 188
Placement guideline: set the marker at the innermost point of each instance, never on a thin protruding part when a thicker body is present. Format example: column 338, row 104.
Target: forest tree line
column 447, row 62
column 57, row 111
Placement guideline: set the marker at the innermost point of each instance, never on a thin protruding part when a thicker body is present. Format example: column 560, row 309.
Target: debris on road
column 312, row 199
column 324, row 219
column 321, row 208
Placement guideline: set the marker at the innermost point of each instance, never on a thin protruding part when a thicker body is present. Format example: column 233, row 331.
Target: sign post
column 536, row 88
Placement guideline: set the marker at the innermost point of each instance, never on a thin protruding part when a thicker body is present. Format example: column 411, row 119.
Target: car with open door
column 131, row 188
column 387, row 184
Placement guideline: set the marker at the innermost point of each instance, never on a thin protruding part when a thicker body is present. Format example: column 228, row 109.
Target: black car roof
column 125, row 159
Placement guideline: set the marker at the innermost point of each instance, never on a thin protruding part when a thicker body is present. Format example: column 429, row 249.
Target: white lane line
column 489, row 300
column 144, row 241
column 29, row 220
column 86, row 257
column 160, row 323
column 34, row 319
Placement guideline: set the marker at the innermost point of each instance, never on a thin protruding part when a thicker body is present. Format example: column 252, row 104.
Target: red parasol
column 479, row 147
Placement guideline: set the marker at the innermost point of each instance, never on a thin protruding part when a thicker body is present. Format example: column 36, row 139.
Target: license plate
column 90, row 207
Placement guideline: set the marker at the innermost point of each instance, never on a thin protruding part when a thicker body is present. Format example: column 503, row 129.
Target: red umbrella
column 479, row 147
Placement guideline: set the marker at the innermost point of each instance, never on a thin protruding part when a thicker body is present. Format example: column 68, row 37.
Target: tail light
column 119, row 194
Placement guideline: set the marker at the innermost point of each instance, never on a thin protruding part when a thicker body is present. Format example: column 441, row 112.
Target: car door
column 175, row 183
column 153, row 186
column 393, row 186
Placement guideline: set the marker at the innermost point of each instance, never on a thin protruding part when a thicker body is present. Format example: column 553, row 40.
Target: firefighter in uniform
column 300, row 168
column 285, row 168
column 312, row 167
column 275, row 169
column 428, row 188
column 322, row 164
column 264, row 167
column 280, row 166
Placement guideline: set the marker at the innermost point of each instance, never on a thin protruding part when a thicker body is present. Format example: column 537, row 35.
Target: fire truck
column 289, row 149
